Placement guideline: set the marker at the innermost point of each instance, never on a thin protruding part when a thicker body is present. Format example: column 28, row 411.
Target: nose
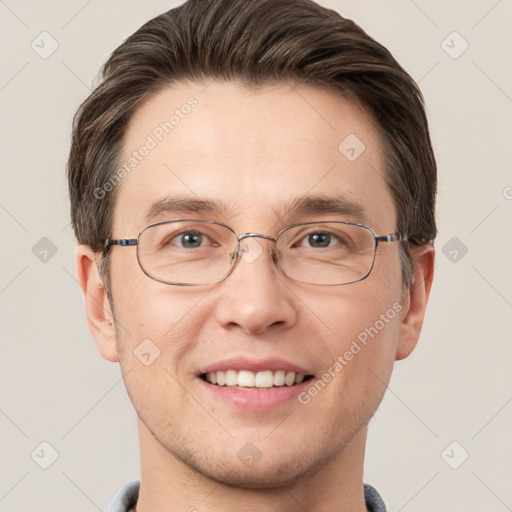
column 256, row 297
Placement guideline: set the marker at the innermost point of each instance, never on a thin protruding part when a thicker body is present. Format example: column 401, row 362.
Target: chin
column 261, row 476
column 267, row 473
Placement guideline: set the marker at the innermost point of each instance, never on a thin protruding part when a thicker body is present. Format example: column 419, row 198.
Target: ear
column 415, row 300
column 97, row 308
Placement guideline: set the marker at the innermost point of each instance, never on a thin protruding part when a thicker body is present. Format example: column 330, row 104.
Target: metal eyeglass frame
column 126, row 242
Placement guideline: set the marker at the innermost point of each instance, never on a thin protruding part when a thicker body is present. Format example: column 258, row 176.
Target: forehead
column 251, row 155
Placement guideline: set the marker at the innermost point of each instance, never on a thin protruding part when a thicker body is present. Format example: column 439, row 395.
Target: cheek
column 363, row 325
column 158, row 329
column 154, row 318
column 142, row 304
column 359, row 311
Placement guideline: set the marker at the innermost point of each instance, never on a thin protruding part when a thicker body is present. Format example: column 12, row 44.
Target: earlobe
column 415, row 300
column 97, row 308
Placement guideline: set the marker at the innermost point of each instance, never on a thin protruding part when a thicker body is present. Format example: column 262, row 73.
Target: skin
column 254, row 151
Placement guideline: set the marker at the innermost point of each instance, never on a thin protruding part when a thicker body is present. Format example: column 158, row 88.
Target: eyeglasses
column 200, row 252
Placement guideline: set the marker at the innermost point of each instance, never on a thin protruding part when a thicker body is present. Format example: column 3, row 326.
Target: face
column 251, row 154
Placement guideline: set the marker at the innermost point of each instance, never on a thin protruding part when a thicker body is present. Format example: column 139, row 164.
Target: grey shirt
column 127, row 496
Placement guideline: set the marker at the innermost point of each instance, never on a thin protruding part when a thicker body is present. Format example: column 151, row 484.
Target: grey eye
column 189, row 240
column 319, row 239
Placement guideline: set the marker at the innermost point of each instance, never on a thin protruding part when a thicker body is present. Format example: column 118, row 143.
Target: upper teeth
column 248, row 379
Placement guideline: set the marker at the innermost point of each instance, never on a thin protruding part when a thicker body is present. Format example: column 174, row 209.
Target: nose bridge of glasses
column 250, row 250
column 244, row 236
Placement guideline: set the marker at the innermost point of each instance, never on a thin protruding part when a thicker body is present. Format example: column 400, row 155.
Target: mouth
column 254, row 383
column 247, row 380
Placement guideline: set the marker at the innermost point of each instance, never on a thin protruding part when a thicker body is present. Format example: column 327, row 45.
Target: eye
column 189, row 239
column 319, row 239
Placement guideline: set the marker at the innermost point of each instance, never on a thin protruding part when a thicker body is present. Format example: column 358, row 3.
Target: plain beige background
column 456, row 387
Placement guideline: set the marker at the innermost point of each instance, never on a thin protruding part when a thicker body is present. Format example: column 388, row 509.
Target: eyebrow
column 180, row 205
column 338, row 205
column 301, row 206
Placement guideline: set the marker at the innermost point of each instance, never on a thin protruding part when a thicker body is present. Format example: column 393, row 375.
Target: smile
column 246, row 379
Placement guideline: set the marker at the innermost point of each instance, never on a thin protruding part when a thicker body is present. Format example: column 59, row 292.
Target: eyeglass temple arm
column 393, row 237
column 123, row 242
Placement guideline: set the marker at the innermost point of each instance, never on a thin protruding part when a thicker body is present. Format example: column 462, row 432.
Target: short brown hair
column 256, row 42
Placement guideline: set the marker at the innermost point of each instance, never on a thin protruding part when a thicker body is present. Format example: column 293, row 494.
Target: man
column 252, row 188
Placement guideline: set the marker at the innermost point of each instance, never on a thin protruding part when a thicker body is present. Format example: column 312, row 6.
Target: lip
column 254, row 398
column 254, row 365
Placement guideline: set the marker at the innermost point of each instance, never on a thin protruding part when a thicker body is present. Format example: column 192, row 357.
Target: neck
column 168, row 485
